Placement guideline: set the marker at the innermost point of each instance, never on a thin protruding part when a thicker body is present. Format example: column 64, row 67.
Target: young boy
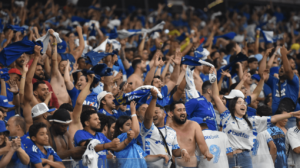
column 40, row 154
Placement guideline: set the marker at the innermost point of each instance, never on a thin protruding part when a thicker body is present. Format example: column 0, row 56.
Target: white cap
column 39, row 109
column 101, row 96
column 235, row 93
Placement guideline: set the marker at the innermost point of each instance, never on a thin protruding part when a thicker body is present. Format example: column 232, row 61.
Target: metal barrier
column 259, row 161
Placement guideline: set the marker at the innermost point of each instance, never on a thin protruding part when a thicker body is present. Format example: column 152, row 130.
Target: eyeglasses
column 241, row 103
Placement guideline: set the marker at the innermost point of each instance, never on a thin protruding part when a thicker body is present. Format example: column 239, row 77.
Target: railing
column 235, row 161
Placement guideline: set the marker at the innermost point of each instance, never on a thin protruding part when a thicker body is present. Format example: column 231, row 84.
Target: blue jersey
column 10, row 97
column 83, row 135
column 131, row 151
column 90, row 100
column 289, row 88
column 279, row 139
column 200, row 107
column 36, row 155
column 165, row 100
column 115, row 113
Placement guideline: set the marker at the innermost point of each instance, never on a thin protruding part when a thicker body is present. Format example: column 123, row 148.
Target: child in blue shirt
column 40, row 154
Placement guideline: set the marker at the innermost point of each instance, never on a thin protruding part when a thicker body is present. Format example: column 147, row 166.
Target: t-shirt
column 90, row 100
column 218, row 145
column 240, row 135
column 260, row 153
column 115, row 113
column 279, row 139
column 163, row 102
column 153, row 143
column 15, row 161
column 292, row 142
column 36, row 155
column 289, row 88
column 132, row 150
column 200, row 107
column 10, row 97
column 83, row 135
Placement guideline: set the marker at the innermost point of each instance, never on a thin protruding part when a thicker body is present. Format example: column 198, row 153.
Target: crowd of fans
column 94, row 86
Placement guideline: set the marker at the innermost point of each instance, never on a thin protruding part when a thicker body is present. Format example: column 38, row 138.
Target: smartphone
column 12, row 138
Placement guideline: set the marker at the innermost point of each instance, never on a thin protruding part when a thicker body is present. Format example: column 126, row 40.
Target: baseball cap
column 61, row 47
column 4, row 102
column 101, row 95
column 40, row 109
column 256, row 77
column 235, row 93
column 3, row 127
column 14, row 71
column 60, row 116
column 199, row 120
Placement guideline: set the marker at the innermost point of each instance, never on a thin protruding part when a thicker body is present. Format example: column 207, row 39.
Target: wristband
column 257, row 36
column 133, row 115
column 54, row 44
column 16, row 93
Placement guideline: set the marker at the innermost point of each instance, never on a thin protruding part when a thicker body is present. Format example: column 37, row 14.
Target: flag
column 95, row 57
column 14, row 50
column 45, row 40
column 193, row 61
column 102, row 70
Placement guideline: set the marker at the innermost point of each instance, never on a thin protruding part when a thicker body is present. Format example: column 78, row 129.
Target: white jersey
column 261, row 157
column 293, row 141
column 218, row 145
column 240, row 135
column 153, row 143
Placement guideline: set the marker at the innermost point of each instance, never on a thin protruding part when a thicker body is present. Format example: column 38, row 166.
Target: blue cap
column 198, row 120
column 259, row 57
column 4, row 102
column 3, row 127
column 256, row 77
column 61, row 47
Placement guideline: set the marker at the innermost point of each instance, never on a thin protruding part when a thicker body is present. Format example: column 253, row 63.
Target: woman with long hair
column 241, row 129
column 132, row 155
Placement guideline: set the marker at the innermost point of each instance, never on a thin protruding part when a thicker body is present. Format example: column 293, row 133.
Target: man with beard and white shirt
column 152, row 130
column 218, row 145
column 293, row 143
column 189, row 132
column 39, row 75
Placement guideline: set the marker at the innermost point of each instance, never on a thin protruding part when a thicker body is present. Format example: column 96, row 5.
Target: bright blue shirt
column 115, row 113
column 15, row 159
column 90, row 100
column 289, row 88
column 279, row 139
column 129, row 71
column 163, row 102
column 36, row 155
column 132, row 150
column 200, row 107
column 10, row 97
column 83, row 135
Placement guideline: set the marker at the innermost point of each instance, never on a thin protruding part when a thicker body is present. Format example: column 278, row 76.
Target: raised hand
column 177, row 59
column 90, row 77
column 153, row 93
column 25, row 67
column 130, row 135
column 16, row 143
column 283, row 50
column 133, row 107
column 37, row 50
column 13, row 86
column 226, row 73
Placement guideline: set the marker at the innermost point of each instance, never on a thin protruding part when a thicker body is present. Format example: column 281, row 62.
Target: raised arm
column 215, row 91
column 286, row 65
column 135, row 127
column 246, row 75
column 259, row 87
column 78, row 51
column 122, row 55
column 28, row 94
column 54, row 63
column 263, row 62
column 142, row 45
column 150, row 74
column 166, row 69
column 279, row 117
column 80, row 99
column 174, row 76
column 148, row 120
column 256, row 46
column 180, row 90
column 68, row 82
